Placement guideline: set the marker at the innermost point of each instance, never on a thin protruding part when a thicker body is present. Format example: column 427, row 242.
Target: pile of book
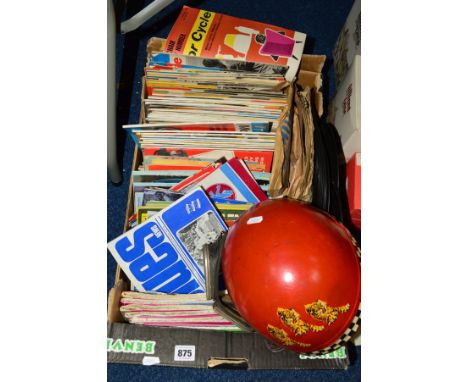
column 215, row 91
column 173, row 310
column 229, row 183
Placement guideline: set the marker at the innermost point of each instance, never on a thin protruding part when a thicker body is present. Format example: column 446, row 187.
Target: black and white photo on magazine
column 195, row 235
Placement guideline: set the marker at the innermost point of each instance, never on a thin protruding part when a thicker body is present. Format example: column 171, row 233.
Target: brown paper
column 302, row 149
column 279, row 178
column 314, row 81
column 312, row 63
column 308, row 144
column 296, row 166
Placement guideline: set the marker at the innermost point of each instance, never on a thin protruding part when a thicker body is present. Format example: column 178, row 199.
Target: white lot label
column 150, row 361
column 184, row 353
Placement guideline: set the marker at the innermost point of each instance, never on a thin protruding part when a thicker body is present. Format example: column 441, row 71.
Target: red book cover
column 353, row 172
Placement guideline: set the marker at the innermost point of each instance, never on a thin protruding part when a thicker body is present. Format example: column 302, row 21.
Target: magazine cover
column 160, row 162
column 164, row 253
column 173, row 178
column 197, row 177
column 255, row 127
column 229, row 211
column 160, row 194
column 213, row 35
column 233, row 181
column 262, row 157
column 192, row 62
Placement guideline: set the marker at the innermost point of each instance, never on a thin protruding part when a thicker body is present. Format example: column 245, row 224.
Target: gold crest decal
column 322, row 312
column 292, row 320
column 283, row 337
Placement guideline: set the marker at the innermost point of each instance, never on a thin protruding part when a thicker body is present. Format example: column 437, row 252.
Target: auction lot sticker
column 184, row 353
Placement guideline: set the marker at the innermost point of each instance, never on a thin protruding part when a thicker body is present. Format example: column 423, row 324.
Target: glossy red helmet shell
column 293, row 272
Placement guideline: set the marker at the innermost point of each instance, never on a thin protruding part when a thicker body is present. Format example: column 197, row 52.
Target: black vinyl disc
column 329, row 181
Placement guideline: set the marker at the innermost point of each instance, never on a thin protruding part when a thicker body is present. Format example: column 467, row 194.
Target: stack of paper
column 215, row 91
column 173, row 310
column 179, row 95
column 225, row 182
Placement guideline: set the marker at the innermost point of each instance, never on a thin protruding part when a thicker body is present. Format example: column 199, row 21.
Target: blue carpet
column 321, row 20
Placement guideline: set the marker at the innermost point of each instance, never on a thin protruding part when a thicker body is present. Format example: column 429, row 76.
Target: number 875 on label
column 184, row 353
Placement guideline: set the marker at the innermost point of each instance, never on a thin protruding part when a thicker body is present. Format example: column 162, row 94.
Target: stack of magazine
column 181, row 310
column 215, row 91
column 215, row 88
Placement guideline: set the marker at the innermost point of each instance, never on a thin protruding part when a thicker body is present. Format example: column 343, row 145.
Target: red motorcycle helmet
column 293, row 273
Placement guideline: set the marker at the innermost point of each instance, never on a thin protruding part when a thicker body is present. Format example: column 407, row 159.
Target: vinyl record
column 329, row 182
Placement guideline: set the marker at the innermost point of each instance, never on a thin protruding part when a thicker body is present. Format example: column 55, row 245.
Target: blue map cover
column 165, row 253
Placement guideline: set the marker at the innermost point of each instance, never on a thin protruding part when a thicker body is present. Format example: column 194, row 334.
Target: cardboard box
column 128, row 343
column 345, row 110
column 348, row 43
column 136, row 344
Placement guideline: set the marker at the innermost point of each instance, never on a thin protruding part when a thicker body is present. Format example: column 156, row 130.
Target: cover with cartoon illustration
column 208, row 34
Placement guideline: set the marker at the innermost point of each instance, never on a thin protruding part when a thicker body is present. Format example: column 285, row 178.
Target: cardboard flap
column 312, row 63
column 228, row 363
column 314, row 81
column 113, row 311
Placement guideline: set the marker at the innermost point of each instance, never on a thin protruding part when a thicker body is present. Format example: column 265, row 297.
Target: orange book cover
column 254, row 167
column 213, row 35
column 178, row 161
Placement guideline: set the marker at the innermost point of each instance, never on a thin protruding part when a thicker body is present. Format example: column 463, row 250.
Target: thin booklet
column 165, row 253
